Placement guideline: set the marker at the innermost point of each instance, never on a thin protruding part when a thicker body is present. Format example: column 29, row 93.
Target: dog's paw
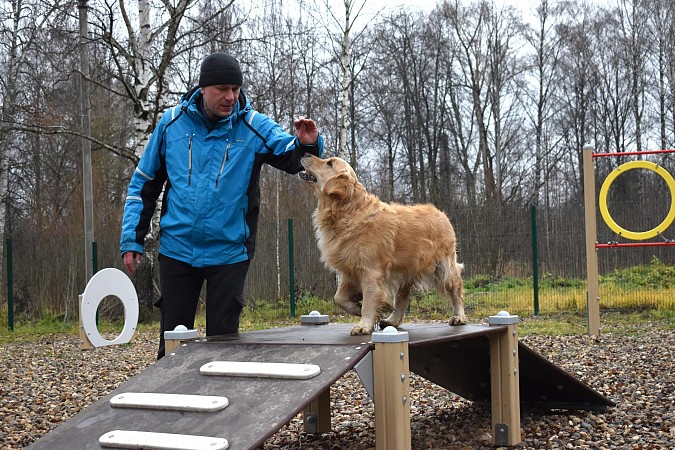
column 456, row 320
column 359, row 330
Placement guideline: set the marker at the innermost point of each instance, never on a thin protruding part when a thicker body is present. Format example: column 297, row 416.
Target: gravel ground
column 43, row 383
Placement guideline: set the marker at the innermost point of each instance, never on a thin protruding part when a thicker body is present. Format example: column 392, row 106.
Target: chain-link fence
column 495, row 245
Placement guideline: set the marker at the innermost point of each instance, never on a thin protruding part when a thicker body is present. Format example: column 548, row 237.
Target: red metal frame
column 634, row 244
column 643, row 152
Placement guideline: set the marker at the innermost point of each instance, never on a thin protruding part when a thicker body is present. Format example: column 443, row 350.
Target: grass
column 628, row 297
column 559, row 324
column 618, row 321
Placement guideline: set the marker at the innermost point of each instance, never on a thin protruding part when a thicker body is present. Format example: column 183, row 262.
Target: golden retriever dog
column 380, row 252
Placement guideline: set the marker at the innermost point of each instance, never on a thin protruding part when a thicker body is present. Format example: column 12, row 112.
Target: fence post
column 593, row 289
column 535, row 260
column 10, row 285
column 94, row 256
column 291, row 268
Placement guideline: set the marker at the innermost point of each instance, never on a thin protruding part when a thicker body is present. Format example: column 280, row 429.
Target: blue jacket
column 212, row 171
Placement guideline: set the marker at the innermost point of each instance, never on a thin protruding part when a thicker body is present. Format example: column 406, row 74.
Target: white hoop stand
column 107, row 282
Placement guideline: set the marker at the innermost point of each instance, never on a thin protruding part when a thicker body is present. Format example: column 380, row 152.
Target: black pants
column 180, row 286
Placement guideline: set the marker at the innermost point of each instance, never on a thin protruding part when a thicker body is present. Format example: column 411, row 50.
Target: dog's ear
column 339, row 186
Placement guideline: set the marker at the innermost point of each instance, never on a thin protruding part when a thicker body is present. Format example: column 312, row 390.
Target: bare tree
column 471, row 29
column 635, row 42
column 614, row 88
column 662, row 32
column 545, row 83
column 23, row 29
column 382, row 95
column 506, row 70
column 283, row 71
column 576, row 99
column 397, row 41
column 343, row 52
column 143, row 54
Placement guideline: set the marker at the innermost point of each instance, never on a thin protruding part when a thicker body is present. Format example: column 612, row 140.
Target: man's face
column 219, row 100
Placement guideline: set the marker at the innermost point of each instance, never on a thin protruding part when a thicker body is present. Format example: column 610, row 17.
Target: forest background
column 479, row 108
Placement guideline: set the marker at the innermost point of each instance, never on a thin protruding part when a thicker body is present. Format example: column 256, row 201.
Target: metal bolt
column 405, row 399
column 402, row 377
column 402, row 355
column 515, row 371
column 514, row 333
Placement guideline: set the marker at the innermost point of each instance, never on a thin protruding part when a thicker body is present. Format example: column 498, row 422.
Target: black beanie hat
column 220, row 68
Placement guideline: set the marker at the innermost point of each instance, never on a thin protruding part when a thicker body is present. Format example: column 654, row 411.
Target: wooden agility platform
column 456, row 358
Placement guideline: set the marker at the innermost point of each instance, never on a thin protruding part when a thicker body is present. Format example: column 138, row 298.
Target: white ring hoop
column 107, row 282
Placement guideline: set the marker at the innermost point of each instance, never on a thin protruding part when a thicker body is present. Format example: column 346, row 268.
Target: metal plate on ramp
column 160, row 441
column 260, row 369
column 172, row 402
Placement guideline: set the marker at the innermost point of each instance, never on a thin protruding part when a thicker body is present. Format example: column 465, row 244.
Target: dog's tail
column 448, row 275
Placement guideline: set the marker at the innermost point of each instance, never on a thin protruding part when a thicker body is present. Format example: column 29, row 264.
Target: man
column 207, row 154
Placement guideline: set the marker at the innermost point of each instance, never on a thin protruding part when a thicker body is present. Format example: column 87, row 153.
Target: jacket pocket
column 180, row 157
column 227, row 222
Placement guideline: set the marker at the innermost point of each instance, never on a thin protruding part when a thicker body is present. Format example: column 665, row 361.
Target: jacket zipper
column 222, row 165
column 190, row 158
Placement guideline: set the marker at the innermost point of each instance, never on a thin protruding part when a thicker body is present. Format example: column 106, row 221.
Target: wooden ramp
column 456, row 358
column 463, row 367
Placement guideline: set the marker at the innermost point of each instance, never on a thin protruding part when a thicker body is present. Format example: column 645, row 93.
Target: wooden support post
column 592, row 279
column 391, row 377
column 317, row 416
column 85, row 343
column 505, row 381
column 173, row 339
column 170, row 345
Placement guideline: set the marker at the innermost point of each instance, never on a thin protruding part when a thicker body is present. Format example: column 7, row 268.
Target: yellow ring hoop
column 637, row 235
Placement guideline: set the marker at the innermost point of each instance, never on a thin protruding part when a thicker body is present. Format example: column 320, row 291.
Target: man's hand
column 308, row 133
column 131, row 260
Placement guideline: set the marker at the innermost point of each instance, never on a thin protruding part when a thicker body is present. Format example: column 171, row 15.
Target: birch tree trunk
column 142, row 58
column 142, row 71
column 342, row 151
column 8, row 105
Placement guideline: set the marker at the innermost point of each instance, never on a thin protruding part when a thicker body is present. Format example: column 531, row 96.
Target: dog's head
column 332, row 177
